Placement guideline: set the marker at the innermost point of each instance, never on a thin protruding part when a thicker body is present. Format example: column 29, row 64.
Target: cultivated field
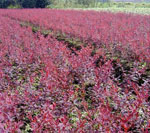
column 74, row 71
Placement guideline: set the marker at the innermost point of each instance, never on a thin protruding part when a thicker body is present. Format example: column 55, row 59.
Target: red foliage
column 46, row 87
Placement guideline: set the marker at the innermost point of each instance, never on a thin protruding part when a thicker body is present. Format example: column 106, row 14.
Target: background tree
column 6, row 3
column 84, row 2
column 28, row 3
column 42, row 3
column 1, row 3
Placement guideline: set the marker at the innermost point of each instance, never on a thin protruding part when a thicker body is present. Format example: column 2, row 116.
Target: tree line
column 43, row 3
column 24, row 3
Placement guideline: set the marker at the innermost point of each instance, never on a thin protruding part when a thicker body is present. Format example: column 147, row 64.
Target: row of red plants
column 128, row 31
column 44, row 86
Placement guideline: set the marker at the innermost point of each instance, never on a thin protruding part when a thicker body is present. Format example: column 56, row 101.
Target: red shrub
column 46, row 86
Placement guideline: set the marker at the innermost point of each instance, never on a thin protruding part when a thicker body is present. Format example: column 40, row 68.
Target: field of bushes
column 74, row 71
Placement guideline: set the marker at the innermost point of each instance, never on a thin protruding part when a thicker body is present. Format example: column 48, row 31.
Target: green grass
column 144, row 11
column 127, row 7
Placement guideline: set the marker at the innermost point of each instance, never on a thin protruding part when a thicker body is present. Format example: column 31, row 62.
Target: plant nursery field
column 69, row 71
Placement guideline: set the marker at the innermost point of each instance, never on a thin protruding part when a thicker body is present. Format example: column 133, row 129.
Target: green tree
column 41, row 3
column 84, row 2
column 1, row 3
column 6, row 3
column 28, row 3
